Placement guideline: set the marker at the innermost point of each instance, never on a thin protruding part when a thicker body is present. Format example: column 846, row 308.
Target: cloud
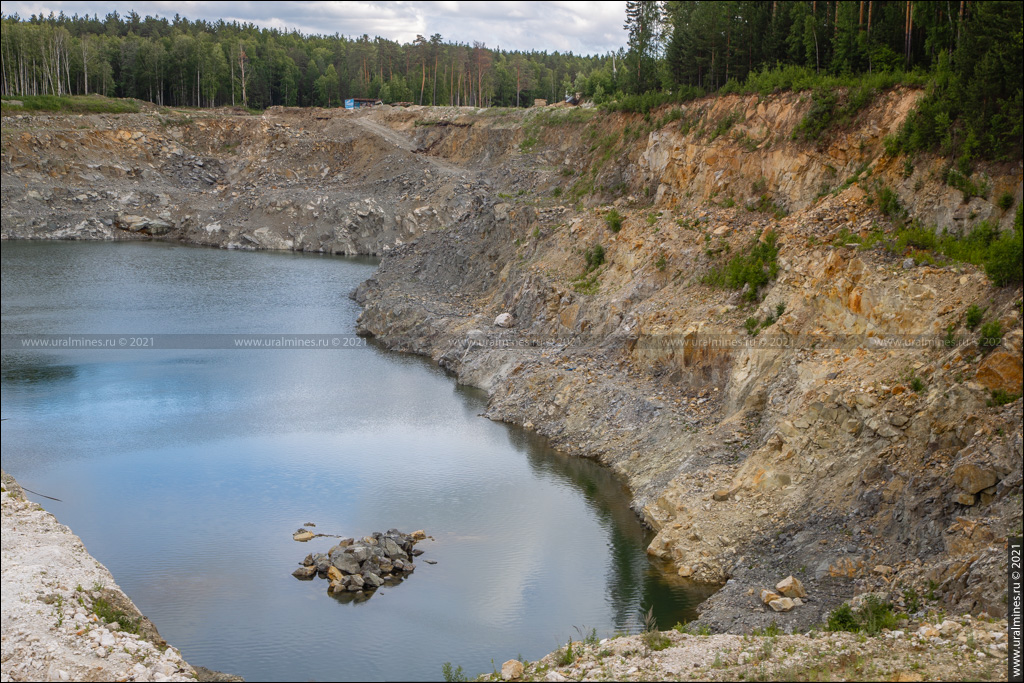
column 581, row 28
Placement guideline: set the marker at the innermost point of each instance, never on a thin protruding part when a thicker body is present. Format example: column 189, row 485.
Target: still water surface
column 186, row 471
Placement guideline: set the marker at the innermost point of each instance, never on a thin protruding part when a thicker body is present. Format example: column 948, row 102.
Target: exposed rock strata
column 825, row 449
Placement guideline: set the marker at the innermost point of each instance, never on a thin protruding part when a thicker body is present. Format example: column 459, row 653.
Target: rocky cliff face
column 846, row 443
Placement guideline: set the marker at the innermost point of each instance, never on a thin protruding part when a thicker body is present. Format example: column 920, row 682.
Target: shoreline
column 64, row 616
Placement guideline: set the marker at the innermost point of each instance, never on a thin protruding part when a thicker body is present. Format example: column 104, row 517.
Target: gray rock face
column 392, row 550
column 345, row 562
column 361, row 553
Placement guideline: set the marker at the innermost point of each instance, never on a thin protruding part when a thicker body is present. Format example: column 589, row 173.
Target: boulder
column 345, row 562
column 721, row 495
column 391, row 549
column 782, row 604
column 504, row 320
column 791, row 587
column 949, row 627
column 371, row 580
column 511, row 670
column 973, row 478
column 334, row 574
column 418, row 535
column 768, row 596
column 305, row 572
column 302, row 535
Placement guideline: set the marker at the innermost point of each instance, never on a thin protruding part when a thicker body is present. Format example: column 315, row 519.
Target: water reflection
column 26, row 369
column 186, row 472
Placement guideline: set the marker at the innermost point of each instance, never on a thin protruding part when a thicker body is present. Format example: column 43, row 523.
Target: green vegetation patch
column 644, row 103
column 106, row 611
column 725, row 124
column 756, row 267
column 79, row 104
column 871, row 618
column 999, row 253
column 613, row 219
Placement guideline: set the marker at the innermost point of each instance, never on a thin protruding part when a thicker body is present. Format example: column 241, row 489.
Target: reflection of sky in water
column 185, row 472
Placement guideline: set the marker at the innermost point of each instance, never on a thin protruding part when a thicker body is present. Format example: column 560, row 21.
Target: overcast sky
column 580, row 27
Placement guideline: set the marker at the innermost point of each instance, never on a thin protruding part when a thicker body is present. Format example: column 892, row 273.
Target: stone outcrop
column 361, row 566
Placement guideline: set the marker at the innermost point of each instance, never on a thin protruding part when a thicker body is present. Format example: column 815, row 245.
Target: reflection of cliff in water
column 31, row 369
column 635, row 581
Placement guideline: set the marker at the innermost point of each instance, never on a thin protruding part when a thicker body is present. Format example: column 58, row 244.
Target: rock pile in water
column 362, row 566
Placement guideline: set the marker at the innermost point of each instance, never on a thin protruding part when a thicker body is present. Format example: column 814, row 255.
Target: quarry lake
column 185, row 472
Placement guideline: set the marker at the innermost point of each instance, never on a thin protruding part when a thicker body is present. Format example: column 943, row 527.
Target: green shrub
column 871, row 618
column 1005, row 201
column 594, row 257
column 819, row 117
column 991, row 335
column 889, row 204
column 842, row 618
column 1000, row 397
column 613, row 220
column 661, row 263
column 756, row 267
column 964, row 183
column 753, row 325
column 586, row 284
column 974, row 315
column 452, row 675
column 568, row 654
column 876, row 615
column 1004, row 262
column 950, row 340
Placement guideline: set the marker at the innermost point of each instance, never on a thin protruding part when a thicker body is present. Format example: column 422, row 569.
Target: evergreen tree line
column 970, row 50
column 178, row 62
